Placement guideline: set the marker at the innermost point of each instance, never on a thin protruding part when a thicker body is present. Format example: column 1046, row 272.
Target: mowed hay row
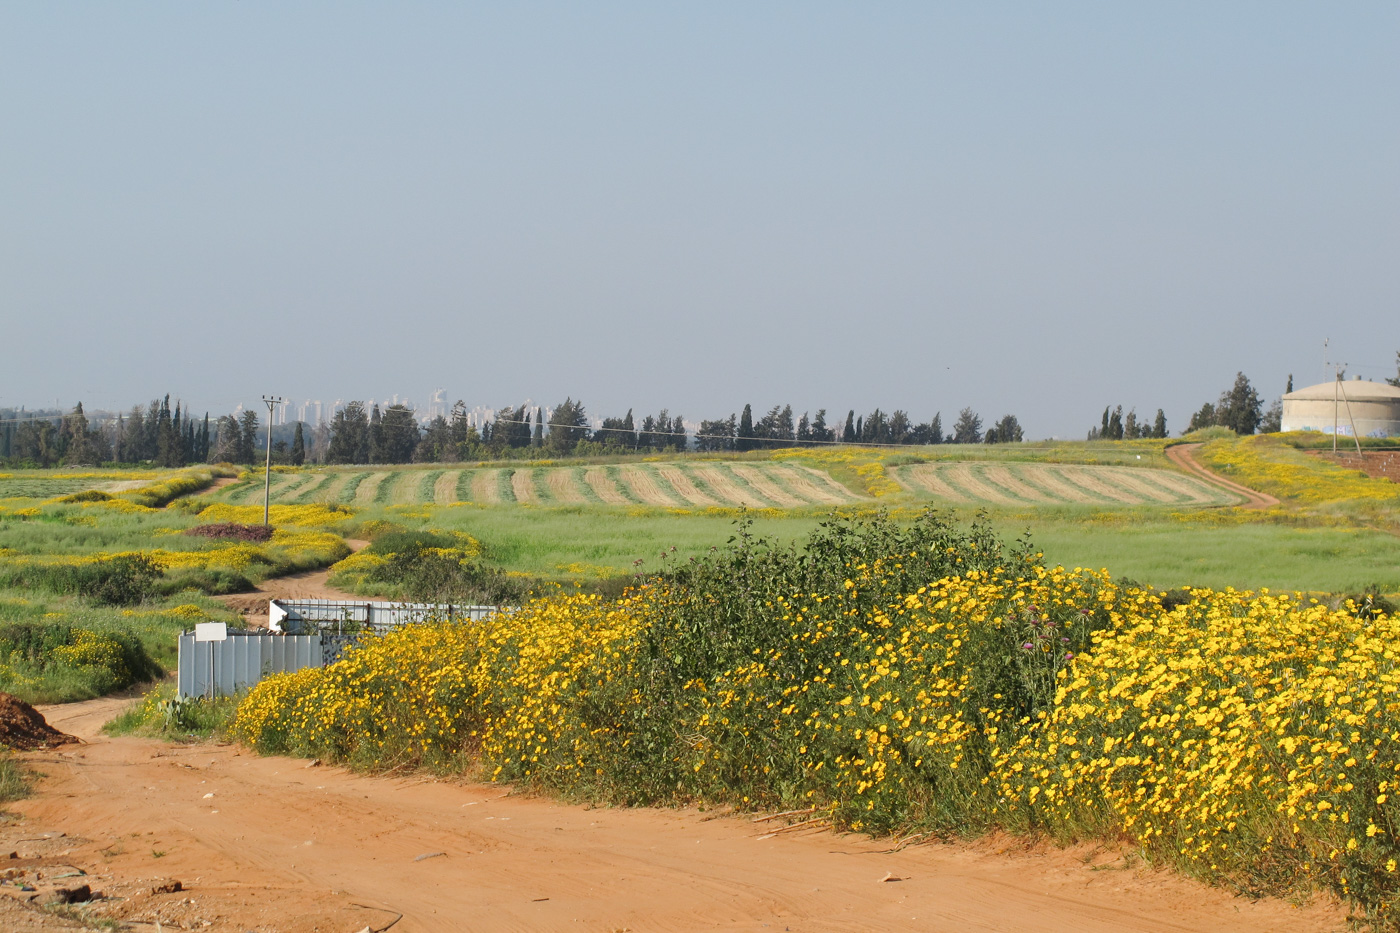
column 563, row 486
column 808, row 484
column 342, row 487
column 445, row 487
column 1193, row 491
column 728, row 487
column 1001, row 475
column 522, row 485
column 292, row 485
column 685, row 487
column 368, row 490
column 967, row 477
column 1051, row 479
column 646, row 485
column 1086, row 478
column 766, row 485
column 924, row 477
column 605, row 487
column 313, row 490
column 404, row 488
column 485, row 486
column 1130, row 481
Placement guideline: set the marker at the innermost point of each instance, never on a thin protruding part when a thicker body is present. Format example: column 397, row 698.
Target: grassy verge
column 159, row 714
column 15, row 780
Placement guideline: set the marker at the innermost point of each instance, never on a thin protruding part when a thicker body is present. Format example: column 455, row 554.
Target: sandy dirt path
column 273, row 844
column 312, row 584
column 1183, row 456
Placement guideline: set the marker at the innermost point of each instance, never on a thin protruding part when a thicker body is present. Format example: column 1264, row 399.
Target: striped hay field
column 689, row 485
column 1011, row 483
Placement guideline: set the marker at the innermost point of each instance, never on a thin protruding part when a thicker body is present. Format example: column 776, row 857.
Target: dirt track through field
column 1183, row 455
column 271, row 844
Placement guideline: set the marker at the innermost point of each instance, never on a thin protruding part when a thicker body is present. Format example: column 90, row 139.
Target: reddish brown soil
column 23, row 727
column 1377, row 464
column 1183, row 456
column 275, row 844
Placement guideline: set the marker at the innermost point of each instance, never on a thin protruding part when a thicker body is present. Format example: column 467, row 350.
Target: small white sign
column 211, row 631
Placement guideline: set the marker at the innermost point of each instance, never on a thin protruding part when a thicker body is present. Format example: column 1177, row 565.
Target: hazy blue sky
column 1031, row 208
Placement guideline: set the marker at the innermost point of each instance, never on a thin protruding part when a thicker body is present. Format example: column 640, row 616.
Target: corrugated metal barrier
column 222, row 668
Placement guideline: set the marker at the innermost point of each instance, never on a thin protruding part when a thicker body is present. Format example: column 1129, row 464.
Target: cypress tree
column 848, row 434
column 744, row 436
column 298, row 447
column 1159, row 427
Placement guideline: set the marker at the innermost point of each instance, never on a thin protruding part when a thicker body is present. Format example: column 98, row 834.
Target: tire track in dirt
column 765, row 486
column 684, row 486
column 603, row 486
column 1183, row 455
column 351, row 855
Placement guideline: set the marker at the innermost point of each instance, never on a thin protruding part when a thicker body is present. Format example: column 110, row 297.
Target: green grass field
column 1120, row 507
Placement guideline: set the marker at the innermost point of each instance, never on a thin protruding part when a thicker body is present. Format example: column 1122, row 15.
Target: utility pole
column 272, row 402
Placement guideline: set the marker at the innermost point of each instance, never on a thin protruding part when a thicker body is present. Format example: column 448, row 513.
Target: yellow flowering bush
column 1246, row 736
column 307, row 516
column 898, row 679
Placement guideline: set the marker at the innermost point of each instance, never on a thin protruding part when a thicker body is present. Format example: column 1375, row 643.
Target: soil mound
column 23, row 727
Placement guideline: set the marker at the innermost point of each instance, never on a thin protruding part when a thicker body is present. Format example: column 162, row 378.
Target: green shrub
column 58, row 662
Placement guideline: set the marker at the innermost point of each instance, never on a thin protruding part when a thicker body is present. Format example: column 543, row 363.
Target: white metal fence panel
column 222, row 668
column 335, row 614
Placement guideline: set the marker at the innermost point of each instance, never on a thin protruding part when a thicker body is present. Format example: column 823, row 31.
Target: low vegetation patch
column 162, row 714
column 56, row 662
column 233, row 530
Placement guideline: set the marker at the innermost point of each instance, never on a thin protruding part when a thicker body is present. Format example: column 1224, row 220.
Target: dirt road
column 272, row 844
column 312, row 584
column 1183, row 455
